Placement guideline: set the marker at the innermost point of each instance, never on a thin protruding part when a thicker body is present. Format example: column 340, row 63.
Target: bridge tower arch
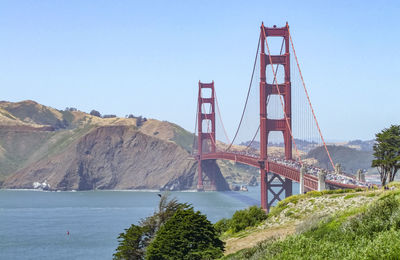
column 205, row 133
column 274, row 184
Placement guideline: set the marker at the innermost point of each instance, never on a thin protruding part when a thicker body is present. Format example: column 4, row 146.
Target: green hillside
column 326, row 225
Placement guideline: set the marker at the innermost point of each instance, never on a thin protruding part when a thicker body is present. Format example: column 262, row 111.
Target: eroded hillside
column 75, row 150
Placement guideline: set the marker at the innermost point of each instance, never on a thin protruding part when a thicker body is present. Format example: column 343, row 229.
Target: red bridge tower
column 275, row 184
column 205, row 137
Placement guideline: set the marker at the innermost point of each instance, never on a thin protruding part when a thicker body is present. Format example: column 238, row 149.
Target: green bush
column 222, row 226
column 247, row 218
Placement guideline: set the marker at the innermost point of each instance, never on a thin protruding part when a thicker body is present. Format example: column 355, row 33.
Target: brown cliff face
column 72, row 150
column 115, row 157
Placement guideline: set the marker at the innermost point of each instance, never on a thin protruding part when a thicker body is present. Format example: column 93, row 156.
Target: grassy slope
column 320, row 218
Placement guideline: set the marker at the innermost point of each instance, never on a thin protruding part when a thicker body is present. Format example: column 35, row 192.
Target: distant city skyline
column 146, row 58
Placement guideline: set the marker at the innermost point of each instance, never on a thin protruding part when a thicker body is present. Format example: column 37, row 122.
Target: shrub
column 109, row 116
column 247, row 218
column 95, row 113
column 222, row 226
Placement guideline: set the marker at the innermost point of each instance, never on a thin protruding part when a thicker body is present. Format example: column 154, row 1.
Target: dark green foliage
column 68, row 117
column 186, row 235
column 387, row 153
column 133, row 243
column 109, row 116
column 140, row 121
column 95, row 113
column 222, row 225
column 247, row 218
column 241, row 220
column 351, row 159
column 365, row 233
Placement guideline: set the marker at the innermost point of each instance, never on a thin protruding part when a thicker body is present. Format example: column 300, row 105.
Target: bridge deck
column 310, row 181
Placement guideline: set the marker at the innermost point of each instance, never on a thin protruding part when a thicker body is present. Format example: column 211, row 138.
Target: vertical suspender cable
column 195, row 128
column 220, row 117
column 309, row 102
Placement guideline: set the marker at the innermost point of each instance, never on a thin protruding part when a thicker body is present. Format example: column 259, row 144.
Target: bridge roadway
column 310, row 181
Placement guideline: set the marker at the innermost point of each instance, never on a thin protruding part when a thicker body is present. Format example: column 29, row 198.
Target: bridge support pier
column 301, row 182
column 275, row 186
column 321, row 181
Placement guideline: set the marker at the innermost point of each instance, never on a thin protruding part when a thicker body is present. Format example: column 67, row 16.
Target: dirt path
column 235, row 244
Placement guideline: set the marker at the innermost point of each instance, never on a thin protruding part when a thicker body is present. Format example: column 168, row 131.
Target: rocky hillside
column 64, row 150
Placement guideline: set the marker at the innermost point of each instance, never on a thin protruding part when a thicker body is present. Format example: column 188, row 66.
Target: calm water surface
column 34, row 224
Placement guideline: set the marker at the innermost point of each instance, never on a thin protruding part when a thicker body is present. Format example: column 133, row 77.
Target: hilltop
column 70, row 149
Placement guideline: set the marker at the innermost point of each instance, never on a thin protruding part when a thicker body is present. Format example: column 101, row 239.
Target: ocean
column 35, row 224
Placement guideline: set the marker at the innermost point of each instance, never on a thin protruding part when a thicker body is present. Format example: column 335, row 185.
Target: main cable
column 247, row 98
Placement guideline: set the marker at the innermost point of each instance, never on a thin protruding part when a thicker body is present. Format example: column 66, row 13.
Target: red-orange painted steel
column 267, row 125
column 207, row 135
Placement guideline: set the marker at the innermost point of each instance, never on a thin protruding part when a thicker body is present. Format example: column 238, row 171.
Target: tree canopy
column 387, row 153
column 134, row 241
column 174, row 231
column 186, row 235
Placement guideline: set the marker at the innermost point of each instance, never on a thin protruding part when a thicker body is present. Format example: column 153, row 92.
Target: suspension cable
column 247, row 98
column 309, row 101
column 220, row 117
column 254, row 137
column 258, row 129
column 195, row 128
column 280, row 96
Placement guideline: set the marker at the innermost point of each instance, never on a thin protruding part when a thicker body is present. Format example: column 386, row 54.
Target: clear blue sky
column 146, row 57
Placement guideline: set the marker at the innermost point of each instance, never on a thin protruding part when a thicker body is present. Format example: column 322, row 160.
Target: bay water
column 85, row 225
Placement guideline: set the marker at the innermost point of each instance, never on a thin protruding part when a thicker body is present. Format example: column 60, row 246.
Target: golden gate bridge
column 275, row 101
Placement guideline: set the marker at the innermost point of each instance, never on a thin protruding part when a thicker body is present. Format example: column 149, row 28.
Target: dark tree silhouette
column 387, row 153
column 95, row 113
